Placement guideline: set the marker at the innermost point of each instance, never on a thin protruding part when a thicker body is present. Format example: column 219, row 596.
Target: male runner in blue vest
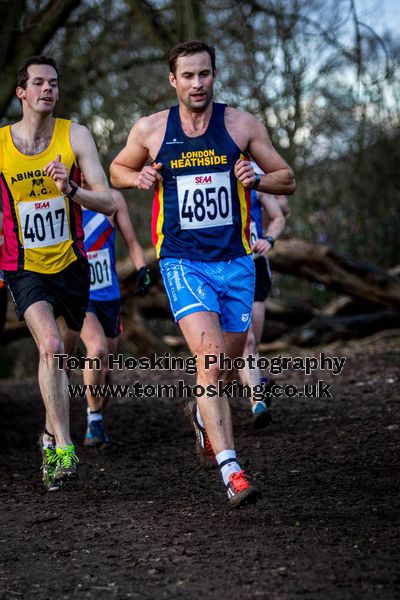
column 202, row 179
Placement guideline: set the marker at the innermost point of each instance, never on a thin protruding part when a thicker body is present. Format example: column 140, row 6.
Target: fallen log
column 342, row 273
column 324, row 330
column 346, row 305
column 291, row 312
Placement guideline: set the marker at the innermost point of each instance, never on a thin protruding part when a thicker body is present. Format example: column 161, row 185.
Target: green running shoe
column 49, row 461
column 66, row 463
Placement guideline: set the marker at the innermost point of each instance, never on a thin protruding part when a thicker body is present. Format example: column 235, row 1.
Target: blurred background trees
column 323, row 81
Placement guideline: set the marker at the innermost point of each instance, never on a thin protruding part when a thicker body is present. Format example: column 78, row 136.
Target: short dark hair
column 40, row 59
column 187, row 48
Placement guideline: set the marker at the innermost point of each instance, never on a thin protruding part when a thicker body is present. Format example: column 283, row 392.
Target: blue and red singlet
column 100, row 249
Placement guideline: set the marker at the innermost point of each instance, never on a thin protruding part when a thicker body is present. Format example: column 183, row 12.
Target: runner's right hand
column 148, row 176
column 59, row 173
column 245, row 173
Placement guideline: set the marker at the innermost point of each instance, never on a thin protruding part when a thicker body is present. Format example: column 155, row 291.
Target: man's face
column 193, row 81
column 41, row 92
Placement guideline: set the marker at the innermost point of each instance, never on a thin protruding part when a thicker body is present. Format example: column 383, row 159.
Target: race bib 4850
column 43, row 223
column 204, row 200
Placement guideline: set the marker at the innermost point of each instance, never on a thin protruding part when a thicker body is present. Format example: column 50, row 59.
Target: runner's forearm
column 278, row 182
column 100, row 201
column 137, row 256
column 123, row 177
column 275, row 227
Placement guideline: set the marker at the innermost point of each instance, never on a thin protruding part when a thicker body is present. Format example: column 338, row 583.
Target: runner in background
column 102, row 324
column 264, row 208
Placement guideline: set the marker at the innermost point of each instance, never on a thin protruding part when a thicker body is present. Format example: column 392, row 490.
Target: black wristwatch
column 270, row 239
column 257, row 182
column 73, row 191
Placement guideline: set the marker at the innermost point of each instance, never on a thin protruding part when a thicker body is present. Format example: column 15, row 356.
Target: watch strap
column 257, row 182
column 270, row 239
column 74, row 189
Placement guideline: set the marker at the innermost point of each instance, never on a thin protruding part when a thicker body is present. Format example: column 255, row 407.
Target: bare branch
column 47, row 22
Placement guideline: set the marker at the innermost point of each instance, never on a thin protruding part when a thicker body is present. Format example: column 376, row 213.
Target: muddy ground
column 145, row 521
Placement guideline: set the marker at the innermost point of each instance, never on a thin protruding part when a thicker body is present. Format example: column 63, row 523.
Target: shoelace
column 51, row 456
column 66, row 457
column 238, row 481
column 50, row 452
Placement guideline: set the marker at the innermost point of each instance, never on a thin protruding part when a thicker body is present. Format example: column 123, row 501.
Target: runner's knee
column 230, row 375
column 105, row 370
column 49, row 346
column 211, row 372
column 97, row 349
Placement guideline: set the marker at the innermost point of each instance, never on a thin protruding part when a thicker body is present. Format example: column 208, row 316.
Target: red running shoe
column 203, row 445
column 240, row 491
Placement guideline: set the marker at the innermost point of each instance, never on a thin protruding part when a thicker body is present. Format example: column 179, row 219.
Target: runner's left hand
column 59, row 174
column 245, row 173
column 261, row 247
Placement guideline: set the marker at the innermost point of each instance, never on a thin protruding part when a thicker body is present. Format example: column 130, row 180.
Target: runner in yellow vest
column 43, row 256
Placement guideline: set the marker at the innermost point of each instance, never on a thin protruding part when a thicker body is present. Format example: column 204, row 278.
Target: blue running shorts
column 225, row 287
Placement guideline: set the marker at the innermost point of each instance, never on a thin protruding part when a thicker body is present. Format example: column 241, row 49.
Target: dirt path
column 145, row 522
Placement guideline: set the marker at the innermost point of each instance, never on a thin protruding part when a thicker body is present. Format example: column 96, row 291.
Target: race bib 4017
column 44, row 222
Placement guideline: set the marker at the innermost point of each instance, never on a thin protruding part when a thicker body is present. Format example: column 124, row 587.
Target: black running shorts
column 263, row 279
column 67, row 291
column 108, row 313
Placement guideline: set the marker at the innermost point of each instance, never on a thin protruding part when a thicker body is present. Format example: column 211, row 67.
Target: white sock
column 227, row 463
column 93, row 416
column 48, row 441
column 199, row 419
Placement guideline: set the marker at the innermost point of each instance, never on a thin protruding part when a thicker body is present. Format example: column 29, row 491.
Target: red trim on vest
column 154, row 215
column 101, row 240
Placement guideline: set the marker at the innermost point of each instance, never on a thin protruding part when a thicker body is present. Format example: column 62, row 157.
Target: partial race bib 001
column 253, row 237
column 100, row 269
column 253, row 233
column 44, row 222
column 204, row 200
